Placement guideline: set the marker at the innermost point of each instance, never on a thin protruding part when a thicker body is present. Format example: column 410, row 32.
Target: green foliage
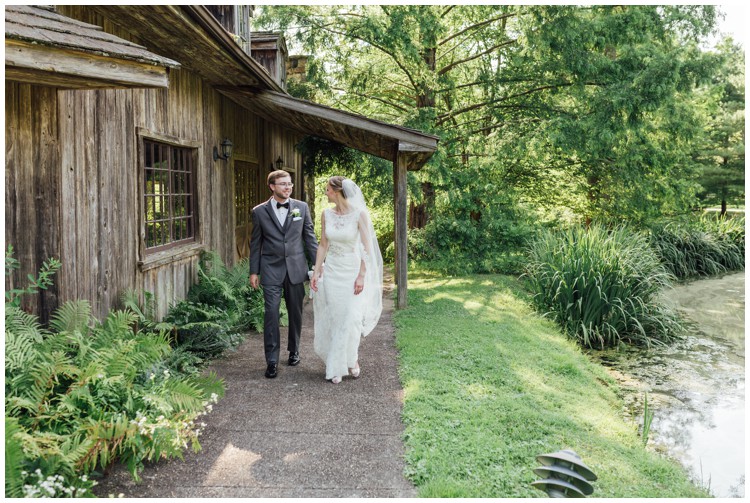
column 41, row 282
column 720, row 152
column 479, row 231
column 601, row 285
column 14, row 459
column 227, row 291
column 82, row 393
column 489, row 386
column 648, row 418
column 203, row 329
column 588, row 110
column 704, row 247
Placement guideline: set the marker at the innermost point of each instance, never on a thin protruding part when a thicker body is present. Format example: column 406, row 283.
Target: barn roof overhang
column 44, row 47
column 356, row 131
column 214, row 54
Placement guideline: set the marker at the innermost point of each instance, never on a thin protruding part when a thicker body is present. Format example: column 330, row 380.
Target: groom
column 282, row 232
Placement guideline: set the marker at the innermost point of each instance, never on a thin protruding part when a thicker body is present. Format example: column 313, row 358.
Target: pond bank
column 696, row 387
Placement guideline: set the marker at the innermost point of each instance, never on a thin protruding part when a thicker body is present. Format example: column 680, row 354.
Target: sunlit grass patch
column 489, row 385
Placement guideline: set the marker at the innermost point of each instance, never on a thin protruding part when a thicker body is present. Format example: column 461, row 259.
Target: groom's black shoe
column 293, row 359
column 271, row 370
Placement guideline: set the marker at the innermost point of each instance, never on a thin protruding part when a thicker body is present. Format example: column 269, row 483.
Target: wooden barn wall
column 100, row 193
column 73, row 190
column 32, row 182
column 280, row 141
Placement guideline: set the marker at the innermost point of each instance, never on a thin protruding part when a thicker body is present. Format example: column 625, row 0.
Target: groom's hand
column 254, row 282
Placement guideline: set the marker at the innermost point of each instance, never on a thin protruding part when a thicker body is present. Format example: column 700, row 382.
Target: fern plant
column 229, row 290
column 83, row 393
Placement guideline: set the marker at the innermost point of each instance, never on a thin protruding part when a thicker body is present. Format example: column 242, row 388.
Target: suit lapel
column 272, row 215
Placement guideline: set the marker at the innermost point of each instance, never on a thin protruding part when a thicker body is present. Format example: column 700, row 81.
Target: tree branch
column 376, row 46
column 442, row 118
column 376, row 98
column 446, row 11
column 468, row 135
column 472, row 27
column 475, row 56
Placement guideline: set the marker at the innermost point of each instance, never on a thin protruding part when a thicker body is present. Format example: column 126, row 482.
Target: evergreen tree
column 721, row 154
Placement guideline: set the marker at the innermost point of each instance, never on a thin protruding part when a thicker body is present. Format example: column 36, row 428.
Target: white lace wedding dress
column 341, row 317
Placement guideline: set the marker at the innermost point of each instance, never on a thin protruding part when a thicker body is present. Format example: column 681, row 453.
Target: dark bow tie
column 285, row 205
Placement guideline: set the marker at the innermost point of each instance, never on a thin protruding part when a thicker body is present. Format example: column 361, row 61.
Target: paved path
column 294, row 436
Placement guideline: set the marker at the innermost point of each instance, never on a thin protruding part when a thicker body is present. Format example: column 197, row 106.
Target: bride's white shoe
column 336, row 379
column 355, row 371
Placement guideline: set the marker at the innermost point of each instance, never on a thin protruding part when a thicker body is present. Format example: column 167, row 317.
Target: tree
column 721, row 153
column 581, row 107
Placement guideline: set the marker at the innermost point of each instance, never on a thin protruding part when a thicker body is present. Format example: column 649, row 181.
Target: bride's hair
column 337, row 184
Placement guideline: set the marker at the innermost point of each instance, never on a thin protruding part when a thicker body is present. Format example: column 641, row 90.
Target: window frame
column 159, row 255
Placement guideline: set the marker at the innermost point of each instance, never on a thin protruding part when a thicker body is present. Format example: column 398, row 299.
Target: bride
column 348, row 290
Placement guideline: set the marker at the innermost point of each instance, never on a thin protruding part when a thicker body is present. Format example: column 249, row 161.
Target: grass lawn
column 489, row 385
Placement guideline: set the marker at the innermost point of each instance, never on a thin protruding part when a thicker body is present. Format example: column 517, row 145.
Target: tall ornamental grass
column 706, row 247
column 601, row 285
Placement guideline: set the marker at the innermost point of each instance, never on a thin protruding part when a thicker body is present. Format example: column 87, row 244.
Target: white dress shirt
column 280, row 212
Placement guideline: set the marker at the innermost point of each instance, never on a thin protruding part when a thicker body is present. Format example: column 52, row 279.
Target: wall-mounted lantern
column 226, row 150
column 279, row 163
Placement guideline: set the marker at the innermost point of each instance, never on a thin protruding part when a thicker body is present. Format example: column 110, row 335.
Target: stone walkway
column 294, row 436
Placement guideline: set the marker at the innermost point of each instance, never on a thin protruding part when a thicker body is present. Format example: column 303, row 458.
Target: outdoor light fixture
column 279, row 163
column 226, row 150
column 565, row 475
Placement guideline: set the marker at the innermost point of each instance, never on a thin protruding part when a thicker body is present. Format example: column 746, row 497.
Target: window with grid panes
column 168, row 195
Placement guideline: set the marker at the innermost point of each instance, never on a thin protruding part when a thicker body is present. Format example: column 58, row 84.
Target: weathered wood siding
column 74, row 181
column 32, row 183
column 279, row 141
column 101, row 194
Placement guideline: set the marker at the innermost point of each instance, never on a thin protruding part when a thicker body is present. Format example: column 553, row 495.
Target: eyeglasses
column 285, row 184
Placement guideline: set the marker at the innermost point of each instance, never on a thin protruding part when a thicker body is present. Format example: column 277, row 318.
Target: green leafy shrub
column 472, row 238
column 204, row 330
column 704, row 247
column 41, row 282
column 81, row 394
column 601, row 285
column 229, row 291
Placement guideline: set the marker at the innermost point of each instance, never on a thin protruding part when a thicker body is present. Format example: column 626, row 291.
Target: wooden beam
column 400, row 227
column 416, row 140
column 37, row 64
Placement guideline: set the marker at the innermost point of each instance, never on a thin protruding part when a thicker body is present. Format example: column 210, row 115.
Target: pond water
column 695, row 387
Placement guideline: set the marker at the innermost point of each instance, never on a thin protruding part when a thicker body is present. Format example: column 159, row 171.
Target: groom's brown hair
column 275, row 175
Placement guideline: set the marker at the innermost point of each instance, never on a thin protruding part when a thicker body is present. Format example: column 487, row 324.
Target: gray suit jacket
column 276, row 251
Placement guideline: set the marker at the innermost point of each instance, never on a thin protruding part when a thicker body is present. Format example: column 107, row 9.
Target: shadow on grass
column 489, row 385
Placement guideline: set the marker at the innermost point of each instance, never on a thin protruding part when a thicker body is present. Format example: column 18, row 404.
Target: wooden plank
column 87, row 202
column 299, row 106
column 88, row 39
column 55, row 65
column 11, row 168
column 46, row 188
column 26, row 223
column 400, row 229
column 68, row 217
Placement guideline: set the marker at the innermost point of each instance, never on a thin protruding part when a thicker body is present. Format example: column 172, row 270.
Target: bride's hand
column 314, row 283
column 359, row 284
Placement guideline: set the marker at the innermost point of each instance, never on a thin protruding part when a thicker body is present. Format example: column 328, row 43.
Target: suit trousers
column 294, row 296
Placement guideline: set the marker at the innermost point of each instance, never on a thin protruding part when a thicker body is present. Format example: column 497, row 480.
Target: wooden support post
column 400, row 227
